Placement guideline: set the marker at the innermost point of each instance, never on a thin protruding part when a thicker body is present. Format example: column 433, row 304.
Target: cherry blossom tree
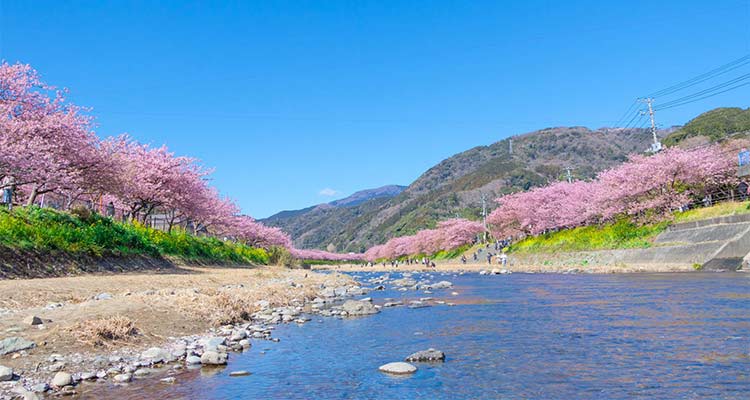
column 48, row 144
column 644, row 188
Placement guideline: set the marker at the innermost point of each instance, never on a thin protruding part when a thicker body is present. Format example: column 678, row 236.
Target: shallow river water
column 540, row 336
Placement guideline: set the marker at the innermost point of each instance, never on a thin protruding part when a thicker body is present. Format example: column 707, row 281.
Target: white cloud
column 328, row 192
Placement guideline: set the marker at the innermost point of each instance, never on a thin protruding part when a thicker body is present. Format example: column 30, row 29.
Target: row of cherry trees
column 49, row 146
column 644, row 188
column 448, row 235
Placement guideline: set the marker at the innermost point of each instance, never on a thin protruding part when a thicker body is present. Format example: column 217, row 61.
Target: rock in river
column 213, row 358
column 426, row 356
column 122, row 378
column 398, row 368
column 354, row 307
column 441, row 285
column 155, row 355
column 192, row 360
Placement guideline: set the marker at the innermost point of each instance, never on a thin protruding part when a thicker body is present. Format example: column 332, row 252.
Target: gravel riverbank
column 62, row 335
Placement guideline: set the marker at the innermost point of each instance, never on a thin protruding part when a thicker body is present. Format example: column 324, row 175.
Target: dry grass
column 101, row 331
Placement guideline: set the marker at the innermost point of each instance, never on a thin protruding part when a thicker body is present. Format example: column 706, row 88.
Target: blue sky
column 296, row 103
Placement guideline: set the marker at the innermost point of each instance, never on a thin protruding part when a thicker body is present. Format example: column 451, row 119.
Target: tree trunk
column 32, row 196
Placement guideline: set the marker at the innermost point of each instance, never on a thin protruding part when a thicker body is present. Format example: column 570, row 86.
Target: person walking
column 463, row 259
column 504, row 260
column 9, row 186
column 110, row 209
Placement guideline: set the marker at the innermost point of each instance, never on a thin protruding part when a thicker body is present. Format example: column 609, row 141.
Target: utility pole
column 656, row 146
column 567, row 173
column 484, row 215
column 510, row 145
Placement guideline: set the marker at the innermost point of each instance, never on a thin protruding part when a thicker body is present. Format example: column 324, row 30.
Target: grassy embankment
column 622, row 234
column 47, row 230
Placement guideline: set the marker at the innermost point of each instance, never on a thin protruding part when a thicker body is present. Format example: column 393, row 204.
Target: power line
column 732, row 65
column 627, row 112
column 704, row 97
column 708, row 90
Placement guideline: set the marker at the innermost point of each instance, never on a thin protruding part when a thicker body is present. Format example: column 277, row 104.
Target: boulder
column 168, row 380
column 155, row 355
column 14, row 344
column 87, row 376
column 355, row 308
column 62, row 379
column 32, row 320
column 212, row 343
column 238, row 335
column 213, row 358
column 193, row 360
column 428, row 355
column 40, row 387
column 6, row 373
column 122, row 378
column 404, row 282
column 441, row 285
column 103, row 296
column 417, row 304
column 398, row 368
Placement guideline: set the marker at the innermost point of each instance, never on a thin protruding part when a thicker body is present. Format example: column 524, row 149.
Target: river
column 538, row 336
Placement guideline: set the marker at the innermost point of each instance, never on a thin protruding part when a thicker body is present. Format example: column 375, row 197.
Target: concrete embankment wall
column 717, row 243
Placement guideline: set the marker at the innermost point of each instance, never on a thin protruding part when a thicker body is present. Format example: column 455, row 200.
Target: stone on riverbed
column 14, row 344
column 213, row 358
column 398, row 368
column 62, row 379
column 212, row 343
column 87, row 376
column 441, row 285
column 239, row 373
column 6, row 373
column 122, row 378
column 193, row 360
column 156, row 355
column 427, row 356
column 355, row 308
column 417, row 304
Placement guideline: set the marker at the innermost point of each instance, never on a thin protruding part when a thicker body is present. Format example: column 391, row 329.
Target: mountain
column 311, row 227
column 368, row 194
column 455, row 186
column 712, row 126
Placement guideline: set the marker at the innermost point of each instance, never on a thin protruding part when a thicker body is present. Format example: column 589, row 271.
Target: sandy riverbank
column 75, row 311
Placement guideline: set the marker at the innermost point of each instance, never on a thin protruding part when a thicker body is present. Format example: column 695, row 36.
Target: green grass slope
column 46, row 230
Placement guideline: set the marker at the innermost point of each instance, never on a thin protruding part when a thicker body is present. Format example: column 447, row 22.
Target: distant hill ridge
column 455, row 186
column 368, row 194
